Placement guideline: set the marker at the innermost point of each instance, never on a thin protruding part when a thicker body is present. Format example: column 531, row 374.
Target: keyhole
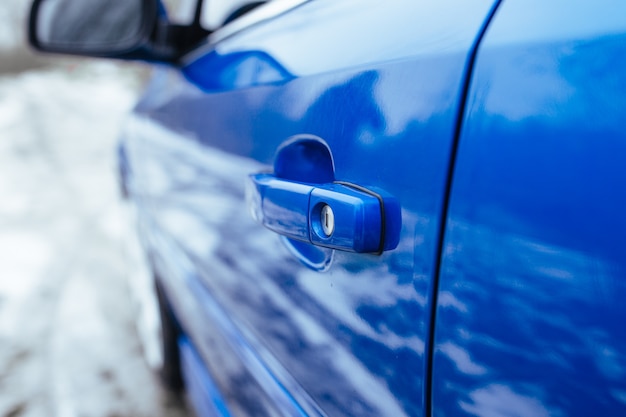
column 328, row 220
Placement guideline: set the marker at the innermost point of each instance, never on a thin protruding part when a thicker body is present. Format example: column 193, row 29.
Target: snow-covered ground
column 68, row 341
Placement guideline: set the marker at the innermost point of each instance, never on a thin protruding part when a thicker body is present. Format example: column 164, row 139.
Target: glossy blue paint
column 203, row 393
column 235, row 353
column 294, row 210
column 304, row 158
column 530, row 317
column 379, row 84
column 281, row 206
column 235, row 70
column 358, row 219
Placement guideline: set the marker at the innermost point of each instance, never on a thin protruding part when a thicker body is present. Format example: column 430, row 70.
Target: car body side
column 503, row 295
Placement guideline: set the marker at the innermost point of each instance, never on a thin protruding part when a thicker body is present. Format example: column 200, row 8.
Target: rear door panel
column 530, row 317
column 379, row 84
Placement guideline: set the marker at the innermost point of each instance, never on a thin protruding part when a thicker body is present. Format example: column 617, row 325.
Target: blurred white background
column 68, row 340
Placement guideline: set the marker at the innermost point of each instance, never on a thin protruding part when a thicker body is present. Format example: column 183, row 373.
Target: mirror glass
column 88, row 26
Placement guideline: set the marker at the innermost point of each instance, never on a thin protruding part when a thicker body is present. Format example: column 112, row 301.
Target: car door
column 359, row 99
column 530, row 318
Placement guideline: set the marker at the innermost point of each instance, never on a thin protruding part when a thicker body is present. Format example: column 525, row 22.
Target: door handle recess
column 335, row 215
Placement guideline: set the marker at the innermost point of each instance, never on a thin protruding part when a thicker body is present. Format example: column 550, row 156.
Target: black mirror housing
column 123, row 29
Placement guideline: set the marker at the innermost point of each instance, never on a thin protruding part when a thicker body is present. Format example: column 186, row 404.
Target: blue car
column 378, row 208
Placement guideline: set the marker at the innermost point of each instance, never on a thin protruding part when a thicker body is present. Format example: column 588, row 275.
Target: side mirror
column 126, row 29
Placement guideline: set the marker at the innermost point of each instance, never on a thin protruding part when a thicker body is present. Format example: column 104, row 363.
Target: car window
column 226, row 10
column 180, row 11
column 215, row 13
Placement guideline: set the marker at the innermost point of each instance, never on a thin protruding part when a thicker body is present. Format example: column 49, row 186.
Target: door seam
column 434, row 289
